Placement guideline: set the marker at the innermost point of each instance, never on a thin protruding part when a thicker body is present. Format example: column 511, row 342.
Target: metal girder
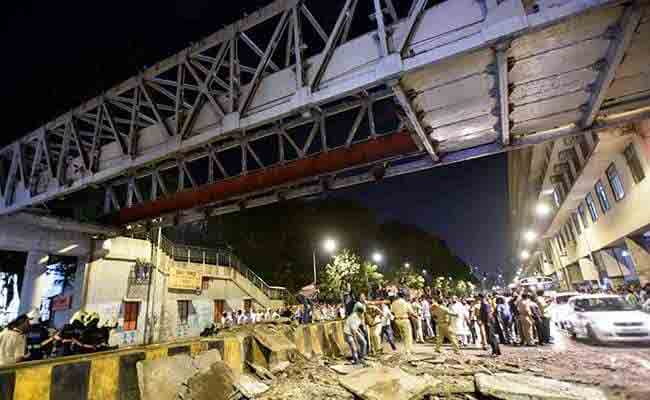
column 345, row 15
column 264, row 62
column 280, row 98
column 624, row 32
column 412, row 23
column 503, row 93
column 404, row 101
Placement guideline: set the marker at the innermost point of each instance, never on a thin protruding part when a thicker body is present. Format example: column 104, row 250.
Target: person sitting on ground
column 354, row 336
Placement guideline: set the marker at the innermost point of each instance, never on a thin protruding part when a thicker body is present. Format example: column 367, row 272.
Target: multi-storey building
column 581, row 207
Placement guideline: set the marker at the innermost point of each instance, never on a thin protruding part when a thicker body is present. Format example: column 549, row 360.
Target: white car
column 560, row 309
column 607, row 319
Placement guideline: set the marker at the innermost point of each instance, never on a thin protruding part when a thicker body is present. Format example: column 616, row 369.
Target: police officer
column 403, row 312
column 373, row 319
column 443, row 317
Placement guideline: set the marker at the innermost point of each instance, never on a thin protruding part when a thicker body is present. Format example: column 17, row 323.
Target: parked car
column 607, row 319
column 535, row 283
column 560, row 309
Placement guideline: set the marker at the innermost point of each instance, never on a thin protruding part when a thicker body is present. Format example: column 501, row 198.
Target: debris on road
column 525, row 387
column 384, row 383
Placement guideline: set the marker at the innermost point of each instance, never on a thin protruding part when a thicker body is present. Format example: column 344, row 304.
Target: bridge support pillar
column 32, row 287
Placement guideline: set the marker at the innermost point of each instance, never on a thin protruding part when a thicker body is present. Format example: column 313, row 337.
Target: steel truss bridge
column 278, row 105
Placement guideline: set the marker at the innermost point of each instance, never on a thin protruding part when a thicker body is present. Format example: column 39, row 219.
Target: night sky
column 58, row 54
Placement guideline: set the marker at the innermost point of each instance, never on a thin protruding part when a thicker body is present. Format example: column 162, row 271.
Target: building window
column 615, row 182
column 576, row 223
column 592, row 207
column 184, row 307
column 131, row 311
column 634, row 163
column 602, row 196
column 583, row 215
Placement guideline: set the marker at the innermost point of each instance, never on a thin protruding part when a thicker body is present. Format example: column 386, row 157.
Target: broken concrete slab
column 454, row 385
column 217, row 383
column 203, row 361
column 250, row 387
column 163, row 378
column 385, row 383
column 345, row 369
column 507, row 386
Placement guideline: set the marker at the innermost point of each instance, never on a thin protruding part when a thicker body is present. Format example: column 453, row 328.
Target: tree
column 347, row 271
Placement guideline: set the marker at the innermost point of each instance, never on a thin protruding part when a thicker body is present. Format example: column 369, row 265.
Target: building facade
column 153, row 289
column 582, row 214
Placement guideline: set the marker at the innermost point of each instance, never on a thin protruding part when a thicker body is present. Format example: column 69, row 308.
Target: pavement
column 620, row 372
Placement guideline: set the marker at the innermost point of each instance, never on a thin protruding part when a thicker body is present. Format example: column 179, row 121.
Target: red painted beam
column 323, row 163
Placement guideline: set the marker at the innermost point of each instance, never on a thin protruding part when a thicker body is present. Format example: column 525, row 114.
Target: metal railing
column 220, row 257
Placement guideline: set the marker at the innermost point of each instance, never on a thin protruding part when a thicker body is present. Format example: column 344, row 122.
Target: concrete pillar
column 641, row 259
column 32, row 288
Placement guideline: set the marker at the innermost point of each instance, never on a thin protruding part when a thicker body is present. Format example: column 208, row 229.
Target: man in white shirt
column 354, row 336
column 252, row 316
column 426, row 318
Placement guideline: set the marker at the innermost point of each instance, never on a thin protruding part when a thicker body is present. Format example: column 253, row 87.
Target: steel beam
column 411, row 24
column 503, row 94
column 404, row 101
column 624, row 32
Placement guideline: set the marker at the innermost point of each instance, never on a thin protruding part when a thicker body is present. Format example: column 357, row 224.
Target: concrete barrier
column 112, row 375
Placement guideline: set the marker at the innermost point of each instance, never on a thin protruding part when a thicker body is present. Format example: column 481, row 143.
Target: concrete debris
column 164, row 378
column 526, row 387
column 344, row 369
column 263, row 373
column 250, row 387
column 454, row 385
column 383, row 383
column 217, row 383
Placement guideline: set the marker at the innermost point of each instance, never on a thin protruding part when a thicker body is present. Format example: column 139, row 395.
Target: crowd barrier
column 112, row 375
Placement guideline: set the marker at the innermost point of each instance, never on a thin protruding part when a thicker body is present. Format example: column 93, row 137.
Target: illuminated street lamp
column 377, row 257
column 542, row 209
column 329, row 245
column 525, row 255
column 407, row 265
column 530, row 236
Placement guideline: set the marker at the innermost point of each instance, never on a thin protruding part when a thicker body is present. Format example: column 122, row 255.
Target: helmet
column 78, row 316
column 93, row 316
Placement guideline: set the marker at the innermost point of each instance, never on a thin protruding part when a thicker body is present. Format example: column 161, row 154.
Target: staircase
column 221, row 263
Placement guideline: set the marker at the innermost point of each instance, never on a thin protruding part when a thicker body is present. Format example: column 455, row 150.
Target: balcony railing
column 220, row 257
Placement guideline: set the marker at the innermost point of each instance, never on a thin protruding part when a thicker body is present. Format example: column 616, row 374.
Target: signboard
column 61, row 303
column 184, row 278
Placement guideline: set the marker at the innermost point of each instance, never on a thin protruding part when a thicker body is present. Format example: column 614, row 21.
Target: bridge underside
column 277, row 106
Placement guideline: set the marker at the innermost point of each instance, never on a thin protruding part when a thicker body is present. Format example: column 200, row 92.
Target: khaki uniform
column 443, row 317
column 526, row 320
column 401, row 310
column 373, row 321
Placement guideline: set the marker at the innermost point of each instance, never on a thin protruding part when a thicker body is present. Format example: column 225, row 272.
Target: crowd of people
column 523, row 318
column 485, row 320
column 27, row 338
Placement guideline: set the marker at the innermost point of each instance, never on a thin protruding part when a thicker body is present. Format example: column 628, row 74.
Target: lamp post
column 329, row 245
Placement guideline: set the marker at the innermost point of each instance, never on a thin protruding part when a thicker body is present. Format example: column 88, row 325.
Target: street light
column 407, row 265
column 542, row 209
column 377, row 257
column 530, row 236
column 329, row 245
column 525, row 255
